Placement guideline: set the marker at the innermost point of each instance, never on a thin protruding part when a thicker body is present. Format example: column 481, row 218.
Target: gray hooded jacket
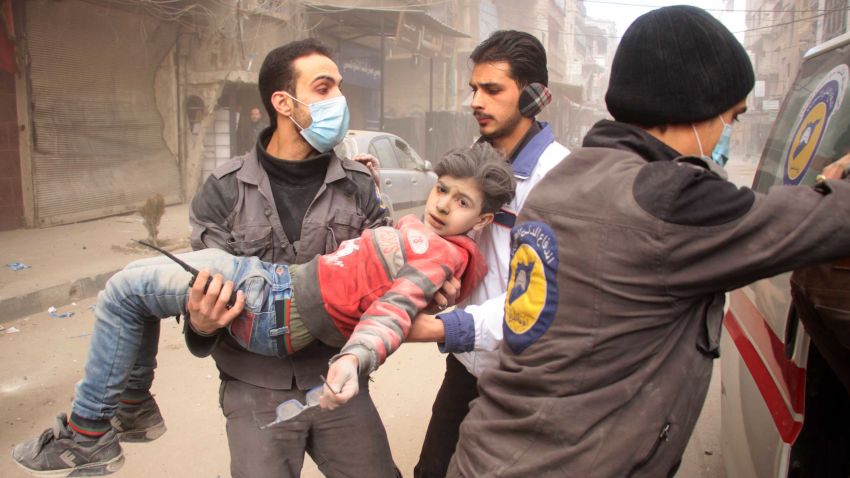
column 622, row 255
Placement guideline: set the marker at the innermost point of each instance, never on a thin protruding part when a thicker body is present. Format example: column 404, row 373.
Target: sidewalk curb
column 13, row 308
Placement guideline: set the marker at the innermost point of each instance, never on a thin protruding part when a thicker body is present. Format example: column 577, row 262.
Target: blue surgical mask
column 720, row 154
column 721, row 151
column 330, row 123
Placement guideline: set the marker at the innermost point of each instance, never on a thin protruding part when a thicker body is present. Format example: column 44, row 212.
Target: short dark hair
column 487, row 167
column 522, row 51
column 277, row 73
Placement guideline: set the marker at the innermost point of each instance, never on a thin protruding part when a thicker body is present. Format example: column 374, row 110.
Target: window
column 828, row 145
column 382, row 149
column 406, row 157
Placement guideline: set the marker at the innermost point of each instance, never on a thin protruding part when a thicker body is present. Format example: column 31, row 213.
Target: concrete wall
column 11, row 204
column 165, row 89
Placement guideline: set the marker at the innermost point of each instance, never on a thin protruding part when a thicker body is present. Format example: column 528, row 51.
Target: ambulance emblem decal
column 532, row 297
column 812, row 123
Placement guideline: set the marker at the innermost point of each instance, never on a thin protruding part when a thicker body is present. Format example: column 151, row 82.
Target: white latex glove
column 342, row 384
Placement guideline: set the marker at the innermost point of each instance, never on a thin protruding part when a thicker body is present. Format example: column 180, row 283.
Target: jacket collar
column 626, row 137
column 252, row 171
column 704, row 163
column 623, row 136
column 526, row 159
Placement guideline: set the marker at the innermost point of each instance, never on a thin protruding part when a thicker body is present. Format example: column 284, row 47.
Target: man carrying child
column 369, row 290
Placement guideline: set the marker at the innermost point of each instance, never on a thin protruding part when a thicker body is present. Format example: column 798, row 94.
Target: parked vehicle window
column 799, row 130
column 406, row 155
column 383, row 150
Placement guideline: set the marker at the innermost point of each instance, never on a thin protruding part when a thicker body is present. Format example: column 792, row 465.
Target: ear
column 282, row 103
column 484, row 220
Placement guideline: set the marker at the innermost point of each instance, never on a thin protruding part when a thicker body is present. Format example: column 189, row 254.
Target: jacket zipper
column 663, row 436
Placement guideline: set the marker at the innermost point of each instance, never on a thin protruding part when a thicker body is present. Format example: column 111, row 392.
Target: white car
column 782, row 406
column 406, row 179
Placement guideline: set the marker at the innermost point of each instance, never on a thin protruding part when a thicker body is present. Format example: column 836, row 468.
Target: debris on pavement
column 64, row 315
column 12, row 330
column 17, row 266
column 78, row 336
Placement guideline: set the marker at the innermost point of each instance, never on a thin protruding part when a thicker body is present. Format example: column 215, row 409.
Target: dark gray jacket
column 235, row 212
column 615, row 302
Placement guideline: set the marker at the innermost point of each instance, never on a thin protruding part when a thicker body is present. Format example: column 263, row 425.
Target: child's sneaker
column 60, row 452
column 138, row 422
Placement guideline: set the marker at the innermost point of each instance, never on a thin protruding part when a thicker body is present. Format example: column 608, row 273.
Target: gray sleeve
column 198, row 345
column 787, row 228
column 211, row 207
column 680, row 192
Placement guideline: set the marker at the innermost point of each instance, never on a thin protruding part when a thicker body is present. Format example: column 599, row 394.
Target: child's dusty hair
column 487, row 167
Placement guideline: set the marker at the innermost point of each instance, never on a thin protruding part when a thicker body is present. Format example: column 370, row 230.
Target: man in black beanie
column 621, row 258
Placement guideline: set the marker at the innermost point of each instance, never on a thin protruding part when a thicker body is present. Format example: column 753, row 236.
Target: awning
column 415, row 30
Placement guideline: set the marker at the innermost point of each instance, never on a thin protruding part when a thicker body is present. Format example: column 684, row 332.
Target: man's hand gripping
column 208, row 310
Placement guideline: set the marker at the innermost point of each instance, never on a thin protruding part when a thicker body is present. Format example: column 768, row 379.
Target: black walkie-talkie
column 190, row 270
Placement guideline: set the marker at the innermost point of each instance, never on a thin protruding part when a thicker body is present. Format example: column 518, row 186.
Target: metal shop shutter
column 97, row 134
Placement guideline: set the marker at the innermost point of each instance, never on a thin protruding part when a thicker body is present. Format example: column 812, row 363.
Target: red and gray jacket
column 366, row 294
column 235, row 211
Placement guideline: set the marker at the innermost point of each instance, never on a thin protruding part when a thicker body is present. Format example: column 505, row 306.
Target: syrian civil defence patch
column 532, row 297
column 812, row 122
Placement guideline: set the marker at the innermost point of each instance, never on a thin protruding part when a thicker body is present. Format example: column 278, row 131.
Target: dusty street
column 40, row 364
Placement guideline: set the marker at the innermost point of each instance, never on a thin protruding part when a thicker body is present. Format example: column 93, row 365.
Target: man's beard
column 506, row 130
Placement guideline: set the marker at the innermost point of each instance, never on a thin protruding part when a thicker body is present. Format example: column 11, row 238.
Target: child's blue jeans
column 126, row 333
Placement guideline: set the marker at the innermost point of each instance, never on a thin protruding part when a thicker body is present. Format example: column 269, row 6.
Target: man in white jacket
column 508, row 83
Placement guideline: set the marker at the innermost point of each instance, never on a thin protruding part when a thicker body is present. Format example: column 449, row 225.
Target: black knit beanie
column 677, row 65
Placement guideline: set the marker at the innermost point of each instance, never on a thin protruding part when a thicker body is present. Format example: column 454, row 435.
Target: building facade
column 108, row 103
column 778, row 34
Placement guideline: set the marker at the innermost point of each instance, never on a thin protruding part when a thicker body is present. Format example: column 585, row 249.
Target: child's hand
column 372, row 164
column 342, row 384
column 445, row 297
